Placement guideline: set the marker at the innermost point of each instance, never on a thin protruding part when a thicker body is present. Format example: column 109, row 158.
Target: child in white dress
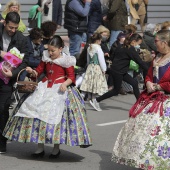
column 94, row 81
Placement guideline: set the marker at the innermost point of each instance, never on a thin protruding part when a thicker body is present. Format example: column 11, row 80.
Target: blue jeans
column 75, row 40
column 113, row 37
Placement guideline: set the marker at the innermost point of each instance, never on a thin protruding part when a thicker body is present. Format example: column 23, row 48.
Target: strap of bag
column 24, row 70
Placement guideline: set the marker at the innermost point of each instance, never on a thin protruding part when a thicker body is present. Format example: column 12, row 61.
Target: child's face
column 54, row 52
column 121, row 40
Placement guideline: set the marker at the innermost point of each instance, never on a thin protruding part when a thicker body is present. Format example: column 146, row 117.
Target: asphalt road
column 104, row 126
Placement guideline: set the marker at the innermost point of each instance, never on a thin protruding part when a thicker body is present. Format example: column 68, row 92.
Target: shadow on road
column 24, row 151
column 107, row 164
column 106, row 107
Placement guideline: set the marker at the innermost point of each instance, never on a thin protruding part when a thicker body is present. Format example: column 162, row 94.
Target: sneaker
column 95, row 104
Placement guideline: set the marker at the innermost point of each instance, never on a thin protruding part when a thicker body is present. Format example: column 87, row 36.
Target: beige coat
column 142, row 9
column 133, row 11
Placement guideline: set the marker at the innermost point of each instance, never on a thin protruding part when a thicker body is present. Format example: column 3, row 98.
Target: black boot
column 3, row 120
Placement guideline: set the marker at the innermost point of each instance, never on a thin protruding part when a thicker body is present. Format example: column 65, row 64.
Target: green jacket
column 117, row 15
column 21, row 27
column 33, row 13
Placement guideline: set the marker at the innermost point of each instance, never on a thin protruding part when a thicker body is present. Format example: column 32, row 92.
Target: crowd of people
column 114, row 57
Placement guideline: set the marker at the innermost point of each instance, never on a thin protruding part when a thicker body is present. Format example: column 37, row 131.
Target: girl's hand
column 29, row 70
column 63, row 87
column 150, row 87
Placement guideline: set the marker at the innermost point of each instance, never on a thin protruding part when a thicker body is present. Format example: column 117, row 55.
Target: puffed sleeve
column 41, row 68
column 70, row 73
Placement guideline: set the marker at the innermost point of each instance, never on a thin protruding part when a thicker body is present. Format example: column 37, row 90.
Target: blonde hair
column 165, row 25
column 102, row 29
column 130, row 28
column 164, row 35
column 9, row 4
column 157, row 28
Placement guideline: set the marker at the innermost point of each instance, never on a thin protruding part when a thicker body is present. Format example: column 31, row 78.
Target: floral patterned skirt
column 144, row 141
column 94, row 80
column 73, row 130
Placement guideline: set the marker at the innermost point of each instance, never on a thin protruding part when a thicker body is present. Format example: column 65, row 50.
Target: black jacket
column 73, row 21
column 122, row 59
column 148, row 39
column 19, row 41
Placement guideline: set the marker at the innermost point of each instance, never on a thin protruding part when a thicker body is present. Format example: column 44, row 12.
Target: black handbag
column 32, row 22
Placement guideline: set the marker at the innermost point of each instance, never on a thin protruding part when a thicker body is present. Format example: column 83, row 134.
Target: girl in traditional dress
column 55, row 113
column 94, row 81
column 144, row 141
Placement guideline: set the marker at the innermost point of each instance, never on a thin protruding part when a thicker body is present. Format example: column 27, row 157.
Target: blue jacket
column 32, row 60
column 95, row 16
column 57, row 12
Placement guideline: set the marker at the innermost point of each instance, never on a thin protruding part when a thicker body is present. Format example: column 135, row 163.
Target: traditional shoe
column 38, row 155
column 55, row 156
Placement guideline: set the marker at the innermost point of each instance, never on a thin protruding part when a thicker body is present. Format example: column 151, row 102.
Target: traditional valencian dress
column 94, row 80
column 49, row 115
column 144, row 141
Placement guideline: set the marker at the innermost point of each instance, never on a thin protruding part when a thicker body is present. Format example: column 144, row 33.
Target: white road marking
column 112, row 123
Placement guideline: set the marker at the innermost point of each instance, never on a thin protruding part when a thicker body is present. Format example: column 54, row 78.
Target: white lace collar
column 92, row 49
column 64, row 61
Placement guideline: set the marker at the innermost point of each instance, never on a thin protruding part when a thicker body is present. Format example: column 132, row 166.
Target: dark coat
column 122, row 59
column 149, row 41
column 117, row 15
column 113, row 48
column 57, row 12
column 95, row 16
column 19, row 41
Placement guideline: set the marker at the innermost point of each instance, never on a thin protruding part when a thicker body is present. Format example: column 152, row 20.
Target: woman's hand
column 150, row 87
column 39, row 9
column 63, row 87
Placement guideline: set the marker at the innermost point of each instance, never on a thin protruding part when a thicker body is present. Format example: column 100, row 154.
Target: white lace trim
column 46, row 104
column 64, row 61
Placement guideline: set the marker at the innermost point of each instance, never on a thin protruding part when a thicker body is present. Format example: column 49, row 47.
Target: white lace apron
column 44, row 105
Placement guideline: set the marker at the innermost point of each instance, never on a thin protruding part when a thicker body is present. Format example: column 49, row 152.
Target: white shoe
column 95, row 105
column 82, row 95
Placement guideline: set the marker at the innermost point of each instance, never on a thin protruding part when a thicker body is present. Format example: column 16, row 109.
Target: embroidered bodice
column 94, row 59
column 58, row 70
